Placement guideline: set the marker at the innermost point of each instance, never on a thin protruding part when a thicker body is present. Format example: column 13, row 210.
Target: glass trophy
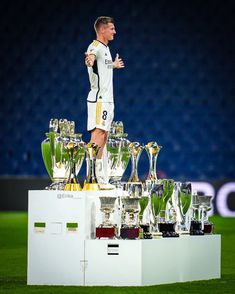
column 156, row 196
column 167, row 226
column 196, row 225
column 106, row 229
column 144, row 221
column 205, row 205
column 91, row 182
column 152, row 149
column 118, row 153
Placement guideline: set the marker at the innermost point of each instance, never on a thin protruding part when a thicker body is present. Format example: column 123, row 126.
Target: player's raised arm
column 118, row 62
column 89, row 59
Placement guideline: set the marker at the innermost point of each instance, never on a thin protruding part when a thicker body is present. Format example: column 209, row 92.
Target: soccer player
column 100, row 104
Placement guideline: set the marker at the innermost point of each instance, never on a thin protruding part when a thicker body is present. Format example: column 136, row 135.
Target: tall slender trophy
column 91, row 182
column 118, row 152
column 196, row 224
column 166, row 225
column 107, row 229
column 152, row 149
column 205, row 206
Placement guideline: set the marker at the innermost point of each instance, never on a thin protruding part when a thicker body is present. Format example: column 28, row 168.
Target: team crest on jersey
column 95, row 43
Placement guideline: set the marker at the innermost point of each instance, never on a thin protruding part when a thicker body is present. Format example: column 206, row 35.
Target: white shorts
column 99, row 115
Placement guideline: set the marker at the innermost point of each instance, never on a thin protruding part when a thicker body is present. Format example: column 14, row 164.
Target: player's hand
column 89, row 59
column 118, row 63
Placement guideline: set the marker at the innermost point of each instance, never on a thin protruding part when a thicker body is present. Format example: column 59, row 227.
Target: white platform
column 61, row 250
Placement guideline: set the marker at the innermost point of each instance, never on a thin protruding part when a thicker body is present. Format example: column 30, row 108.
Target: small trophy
column 156, row 196
column 118, row 152
column 144, row 201
column 107, row 229
column 205, row 206
column 196, row 225
column 152, row 149
column 183, row 201
column 91, row 182
column 167, row 226
column 130, row 228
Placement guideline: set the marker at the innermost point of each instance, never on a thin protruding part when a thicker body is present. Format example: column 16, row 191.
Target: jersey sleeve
column 93, row 48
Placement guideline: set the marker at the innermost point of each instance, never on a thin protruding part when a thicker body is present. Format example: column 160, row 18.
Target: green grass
column 13, row 262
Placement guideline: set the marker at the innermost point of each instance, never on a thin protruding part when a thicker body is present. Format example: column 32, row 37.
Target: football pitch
column 13, row 263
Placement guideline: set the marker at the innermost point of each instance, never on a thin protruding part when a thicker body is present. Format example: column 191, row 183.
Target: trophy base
column 208, row 228
column 196, row 228
column 156, row 235
column 102, row 232
column 146, row 232
column 167, row 230
column 73, row 187
column 91, row 187
column 129, row 233
column 56, row 186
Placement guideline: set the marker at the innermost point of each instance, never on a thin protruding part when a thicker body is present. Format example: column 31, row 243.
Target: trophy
column 76, row 153
column 107, row 229
column 183, row 195
column 55, row 156
column 196, row 225
column 156, row 195
column 144, row 201
column 118, row 153
column 152, row 149
column 205, row 206
column 166, row 226
column 91, row 183
column 129, row 228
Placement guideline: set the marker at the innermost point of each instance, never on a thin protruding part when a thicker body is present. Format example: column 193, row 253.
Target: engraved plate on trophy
column 91, row 182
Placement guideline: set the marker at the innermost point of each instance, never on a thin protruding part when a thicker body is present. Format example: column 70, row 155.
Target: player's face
column 109, row 31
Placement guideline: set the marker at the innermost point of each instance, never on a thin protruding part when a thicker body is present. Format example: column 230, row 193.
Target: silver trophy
column 55, row 156
column 156, row 195
column 107, row 229
column 118, row 152
column 205, row 205
column 196, row 225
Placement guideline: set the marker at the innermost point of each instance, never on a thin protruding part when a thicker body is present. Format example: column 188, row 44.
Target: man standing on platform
column 100, row 102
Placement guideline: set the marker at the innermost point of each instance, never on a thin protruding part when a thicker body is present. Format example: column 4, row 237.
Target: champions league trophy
column 55, row 157
column 107, row 229
column 205, row 206
column 118, row 152
column 134, row 190
column 91, row 182
column 152, row 149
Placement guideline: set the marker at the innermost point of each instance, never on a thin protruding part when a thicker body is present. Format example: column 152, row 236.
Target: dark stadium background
column 178, row 86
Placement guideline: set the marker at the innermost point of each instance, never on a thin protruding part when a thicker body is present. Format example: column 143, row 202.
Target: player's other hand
column 89, row 59
column 118, row 63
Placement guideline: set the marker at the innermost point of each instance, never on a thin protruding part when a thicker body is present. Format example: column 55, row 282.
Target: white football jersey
column 101, row 73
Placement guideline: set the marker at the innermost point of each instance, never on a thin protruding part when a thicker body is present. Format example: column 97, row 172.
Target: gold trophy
column 91, row 182
column 152, row 149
